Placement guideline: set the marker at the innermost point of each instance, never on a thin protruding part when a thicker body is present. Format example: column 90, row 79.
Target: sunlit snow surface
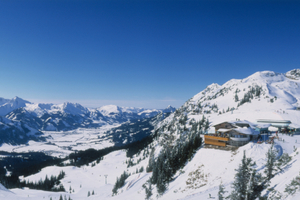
column 62, row 143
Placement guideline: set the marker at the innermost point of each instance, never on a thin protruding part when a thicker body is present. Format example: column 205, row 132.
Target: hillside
column 263, row 95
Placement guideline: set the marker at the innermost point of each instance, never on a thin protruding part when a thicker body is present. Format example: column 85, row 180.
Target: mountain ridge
column 26, row 117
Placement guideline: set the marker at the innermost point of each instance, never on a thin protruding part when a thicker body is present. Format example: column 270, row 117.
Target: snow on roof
column 264, row 125
column 272, row 128
column 224, row 130
column 252, row 125
column 294, row 125
column 246, row 131
column 273, row 121
column 222, row 123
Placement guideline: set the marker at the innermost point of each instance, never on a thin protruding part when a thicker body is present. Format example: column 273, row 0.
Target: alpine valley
column 68, row 151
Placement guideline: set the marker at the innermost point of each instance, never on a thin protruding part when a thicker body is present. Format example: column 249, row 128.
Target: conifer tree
column 221, row 192
column 255, row 185
column 148, row 190
column 242, row 178
column 270, row 165
column 236, row 97
column 248, row 184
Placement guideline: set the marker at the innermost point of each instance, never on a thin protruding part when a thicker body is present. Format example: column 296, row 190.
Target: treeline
column 174, row 157
column 253, row 92
column 25, row 164
column 48, row 184
column 170, row 160
column 85, row 157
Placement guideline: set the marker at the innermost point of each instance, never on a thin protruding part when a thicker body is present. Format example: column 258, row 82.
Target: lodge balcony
column 215, row 140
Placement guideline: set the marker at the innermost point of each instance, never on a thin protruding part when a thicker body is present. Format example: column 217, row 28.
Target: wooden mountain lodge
column 236, row 133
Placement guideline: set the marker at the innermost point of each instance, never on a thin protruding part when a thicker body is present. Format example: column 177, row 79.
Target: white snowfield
column 201, row 177
column 210, row 167
column 62, row 143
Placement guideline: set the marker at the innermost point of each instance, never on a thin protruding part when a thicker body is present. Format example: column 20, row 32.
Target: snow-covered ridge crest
column 265, row 76
column 71, row 108
column 109, row 110
column 106, row 110
column 8, row 105
column 266, row 84
column 294, row 74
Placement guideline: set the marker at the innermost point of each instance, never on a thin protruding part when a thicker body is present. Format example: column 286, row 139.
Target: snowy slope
column 280, row 89
column 263, row 95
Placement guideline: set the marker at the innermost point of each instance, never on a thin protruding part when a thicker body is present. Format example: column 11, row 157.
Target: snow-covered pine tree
column 293, row 187
column 242, row 178
column 221, row 192
column 148, row 190
column 236, row 98
column 270, row 165
column 255, row 185
column 282, row 161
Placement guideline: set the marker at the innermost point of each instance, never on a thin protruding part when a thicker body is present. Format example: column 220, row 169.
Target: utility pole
column 105, row 179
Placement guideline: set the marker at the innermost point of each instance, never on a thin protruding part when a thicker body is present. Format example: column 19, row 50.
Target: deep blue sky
column 140, row 53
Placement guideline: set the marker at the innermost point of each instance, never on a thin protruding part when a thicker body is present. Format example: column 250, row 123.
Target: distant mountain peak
column 107, row 109
column 74, row 108
column 169, row 109
column 20, row 101
column 9, row 105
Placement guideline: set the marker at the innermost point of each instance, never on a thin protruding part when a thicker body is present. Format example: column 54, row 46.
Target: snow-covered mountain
column 68, row 116
column 62, row 117
column 16, row 132
column 263, row 95
column 8, row 105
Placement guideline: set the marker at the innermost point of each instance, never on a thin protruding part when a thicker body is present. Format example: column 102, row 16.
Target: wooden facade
column 213, row 140
column 227, row 133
